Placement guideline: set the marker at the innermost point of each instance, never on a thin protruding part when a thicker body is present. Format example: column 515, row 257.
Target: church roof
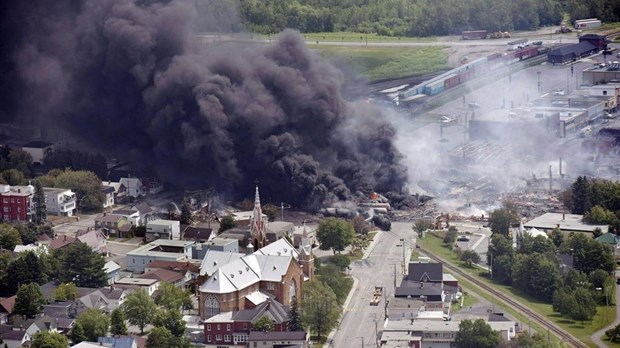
column 215, row 259
column 281, row 247
column 248, row 270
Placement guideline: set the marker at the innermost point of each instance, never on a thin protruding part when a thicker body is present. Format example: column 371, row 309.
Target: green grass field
column 363, row 37
column 379, row 63
column 605, row 315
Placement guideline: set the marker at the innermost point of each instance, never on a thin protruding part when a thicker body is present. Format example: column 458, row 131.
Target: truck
column 474, row 34
column 376, row 296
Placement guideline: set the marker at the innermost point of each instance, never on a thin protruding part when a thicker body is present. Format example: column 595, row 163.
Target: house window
column 227, row 327
column 245, row 326
column 208, row 338
column 271, row 286
column 208, row 327
column 226, row 338
column 218, row 337
column 604, row 92
column 218, row 327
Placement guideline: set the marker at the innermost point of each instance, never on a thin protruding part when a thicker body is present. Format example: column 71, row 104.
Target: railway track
column 556, row 330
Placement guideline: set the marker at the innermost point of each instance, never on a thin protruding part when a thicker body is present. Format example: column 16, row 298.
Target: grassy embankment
column 380, row 63
column 605, row 315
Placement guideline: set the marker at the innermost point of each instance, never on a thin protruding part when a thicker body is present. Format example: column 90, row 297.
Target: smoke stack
column 550, row 180
column 560, row 167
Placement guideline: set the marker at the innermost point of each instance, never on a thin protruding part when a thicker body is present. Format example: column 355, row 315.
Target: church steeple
column 306, row 259
column 257, row 224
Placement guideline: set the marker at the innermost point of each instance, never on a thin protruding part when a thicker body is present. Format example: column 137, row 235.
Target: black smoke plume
column 129, row 77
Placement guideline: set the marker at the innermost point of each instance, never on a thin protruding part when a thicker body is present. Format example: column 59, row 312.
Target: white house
column 108, row 193
column 38, row 150
column 134, row 187
column 163, row 229
column 60, row 201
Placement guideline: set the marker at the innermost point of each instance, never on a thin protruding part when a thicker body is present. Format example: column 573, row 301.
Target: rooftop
column 136, row 281
column 566, row 222
column 278, row 336
column 161, row 247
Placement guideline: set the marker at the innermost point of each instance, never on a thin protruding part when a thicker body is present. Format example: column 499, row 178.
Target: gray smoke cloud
column 130, row 77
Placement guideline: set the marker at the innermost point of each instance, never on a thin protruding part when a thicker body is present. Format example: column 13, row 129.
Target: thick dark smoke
column 129, row 78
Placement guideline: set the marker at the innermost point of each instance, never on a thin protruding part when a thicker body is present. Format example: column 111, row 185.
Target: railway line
column 556, row 330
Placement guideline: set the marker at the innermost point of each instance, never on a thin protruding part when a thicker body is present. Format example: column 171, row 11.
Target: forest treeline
column 410, row 17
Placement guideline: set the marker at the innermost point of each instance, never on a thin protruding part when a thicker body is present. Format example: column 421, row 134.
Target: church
column 268, row 272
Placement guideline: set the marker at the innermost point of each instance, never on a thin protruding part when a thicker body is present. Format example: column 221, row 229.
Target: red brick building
column 15, row 203
column 232, row 329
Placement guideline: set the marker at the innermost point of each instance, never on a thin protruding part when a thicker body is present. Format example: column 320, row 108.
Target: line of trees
column 417, row 17
column 598, row 200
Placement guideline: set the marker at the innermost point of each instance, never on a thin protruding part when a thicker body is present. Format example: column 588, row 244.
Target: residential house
column 108, row 193
column 16, row 203
column 118, row 342
column 196, row 233
column 115, row 297
column 177, row 279
column 38, row 150
column 34, row 325
column 95, row 239
column 134, row 187
column 300, row 339
column 163, row 229
column 62, row 241
column 6, row 308
column 150, row 285
column 190, row 270
column 146, row 213
column 15, row 338
column 426, row 281
column 234, row 328
column 132, row 215
column 160, row 249
column 152, row 185
column 194, row 328
column 60, row 201
column 112, row 270
column 609, row 239
column 110, row 223
column 120, row 191
column 35, row 248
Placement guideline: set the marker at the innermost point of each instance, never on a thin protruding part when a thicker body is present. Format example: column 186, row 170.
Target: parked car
column 559, row 92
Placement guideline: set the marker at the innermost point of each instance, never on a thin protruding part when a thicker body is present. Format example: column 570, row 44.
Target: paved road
column 360, row 319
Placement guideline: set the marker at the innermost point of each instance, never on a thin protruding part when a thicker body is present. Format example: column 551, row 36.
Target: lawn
column 604, row 316
column 468, row 300
column 380, row 63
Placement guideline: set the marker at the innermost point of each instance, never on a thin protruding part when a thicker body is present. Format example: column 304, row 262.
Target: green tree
column 13, row 177
column 65, row 291
column 5, row 260
column 27, row 268
column 117, row 322
column 335, row 234
column 585, row 306
column 172, row 320
column 38, row 199
column 500, row 220
column 139, row 309
column 470, row 257
column 159, row 337
column 536, row 340
column 94, row 322
column 77, row 334
column 9, row 237
column 171, row 297
column 556, row 237
column 83, row 266
column 538, row 244
column 319, row 308
column 500, row 256
column 186, row 212
column 588, row 254
column 28, row 233
column 601, row 216
column 47, row 339
column 536, row 275
column 226, row 223
column 340, row 261
column 263, row 324
column 581, row 195
column 29, row 300
column 613, row 334
column 271, row 211
column 476, row 334
column 360, row 225
column 422, row 225
column 21, row 161
column 294, row 316
column 87, row 187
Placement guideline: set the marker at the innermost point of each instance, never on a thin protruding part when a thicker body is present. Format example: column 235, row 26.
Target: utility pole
column 282, row 207
column 376, row 334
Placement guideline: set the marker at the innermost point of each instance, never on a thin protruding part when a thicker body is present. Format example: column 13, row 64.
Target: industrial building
column 565, row 222
column 602, row 74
